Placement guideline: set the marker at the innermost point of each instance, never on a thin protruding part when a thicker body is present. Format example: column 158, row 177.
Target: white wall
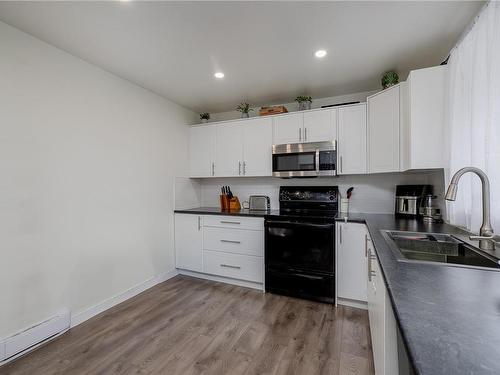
column 87, row 166
column 292, row 107
column 372, row 193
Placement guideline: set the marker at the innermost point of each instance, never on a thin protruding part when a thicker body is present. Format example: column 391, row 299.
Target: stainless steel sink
column 438, row 248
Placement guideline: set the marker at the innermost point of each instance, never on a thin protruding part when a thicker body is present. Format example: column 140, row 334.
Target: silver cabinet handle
column 369, row 269
column 230, row 266
column 244, row 168
column 230, row 241
column 300, row 134
column 199, row 223
column 340, row 233
column 371, row 273
column 366, row 245
column 229, row 222
column 239, row 168
column 213, row 169
column 305, row 134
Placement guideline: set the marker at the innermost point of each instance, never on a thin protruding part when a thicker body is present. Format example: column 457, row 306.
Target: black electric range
column 300, row 243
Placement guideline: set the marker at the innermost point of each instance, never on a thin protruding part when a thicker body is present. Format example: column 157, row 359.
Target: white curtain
column 474, row 118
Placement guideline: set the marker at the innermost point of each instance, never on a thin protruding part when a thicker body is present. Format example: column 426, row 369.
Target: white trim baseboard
column 222, row 279
column 92, row 311
column 352, row 303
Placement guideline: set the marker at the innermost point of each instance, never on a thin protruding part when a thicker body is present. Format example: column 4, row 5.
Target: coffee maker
column 410, row 200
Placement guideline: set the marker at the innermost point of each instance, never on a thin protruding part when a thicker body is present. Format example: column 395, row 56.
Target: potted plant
column 204, row 117
column 304, row 102
column 389, row 79
column 245, row 109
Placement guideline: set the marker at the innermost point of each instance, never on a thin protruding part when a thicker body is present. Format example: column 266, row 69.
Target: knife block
column 234, row 204
column 224, row 202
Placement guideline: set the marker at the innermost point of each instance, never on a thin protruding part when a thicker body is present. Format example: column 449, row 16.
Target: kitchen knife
column 349, row 192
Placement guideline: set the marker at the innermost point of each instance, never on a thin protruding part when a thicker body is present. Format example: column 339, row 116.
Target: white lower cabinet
column 237, row 241
column 189, row 242
column 236, row 266
column 382, row 322
column 226, row 246
column 351, row 261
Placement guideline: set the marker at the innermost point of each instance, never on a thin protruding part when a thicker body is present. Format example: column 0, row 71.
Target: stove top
column 308, row 202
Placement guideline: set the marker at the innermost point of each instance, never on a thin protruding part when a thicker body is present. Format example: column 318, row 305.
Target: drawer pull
column 230, row 266
column 229, row 222
column 230, row 241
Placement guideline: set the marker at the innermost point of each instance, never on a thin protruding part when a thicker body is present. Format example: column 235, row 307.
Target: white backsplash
column 372, row 193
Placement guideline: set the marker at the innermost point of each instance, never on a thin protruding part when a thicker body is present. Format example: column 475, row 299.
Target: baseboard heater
column 13, row 346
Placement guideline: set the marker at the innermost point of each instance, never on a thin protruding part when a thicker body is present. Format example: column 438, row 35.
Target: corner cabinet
column 189, row 241
column 352, row 139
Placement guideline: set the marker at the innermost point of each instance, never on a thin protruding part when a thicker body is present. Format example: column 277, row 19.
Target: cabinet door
column 202, row 150
column 352, row 139
column 426, row 90
column 383, row 131
column 229, row 151
column 188, row 242
column 351, row 261
column 288, row 128
column 257, row 147
column 320, row 126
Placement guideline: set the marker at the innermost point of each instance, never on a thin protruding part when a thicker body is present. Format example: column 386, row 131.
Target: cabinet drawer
column 238, row 222
column 237, row 241
column 243, row 267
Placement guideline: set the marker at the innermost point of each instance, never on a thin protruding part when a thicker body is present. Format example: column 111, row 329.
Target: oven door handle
column 289, row 224
column 317, row 161
column 310, row 277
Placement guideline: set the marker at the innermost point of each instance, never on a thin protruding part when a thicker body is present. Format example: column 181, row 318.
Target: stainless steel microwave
column 305, row 159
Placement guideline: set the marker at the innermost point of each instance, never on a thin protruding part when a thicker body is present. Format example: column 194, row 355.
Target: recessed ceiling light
column 320, row 53
column 219, row 75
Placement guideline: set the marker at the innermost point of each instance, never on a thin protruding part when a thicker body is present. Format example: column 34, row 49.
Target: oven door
column 303, row 245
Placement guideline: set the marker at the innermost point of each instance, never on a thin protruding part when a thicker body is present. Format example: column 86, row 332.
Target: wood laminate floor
column 191, row 326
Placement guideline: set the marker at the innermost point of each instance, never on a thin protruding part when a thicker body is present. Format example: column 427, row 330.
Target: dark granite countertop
column 218, row 211
column 449, row 316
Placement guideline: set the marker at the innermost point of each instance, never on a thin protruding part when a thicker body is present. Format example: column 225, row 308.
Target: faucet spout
column 486, row 230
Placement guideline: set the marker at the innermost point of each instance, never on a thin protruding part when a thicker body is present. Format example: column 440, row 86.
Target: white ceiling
column 265, row 49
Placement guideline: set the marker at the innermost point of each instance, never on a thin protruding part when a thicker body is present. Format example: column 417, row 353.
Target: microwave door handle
column 317, row 161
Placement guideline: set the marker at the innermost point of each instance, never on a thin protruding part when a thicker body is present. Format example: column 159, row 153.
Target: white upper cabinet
column 229, row 151
column 257, row 147
column 202, row 142
column 320, row 126
column 288, row 128
column 383, row 131
column 423, row 139
column 351, row 139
